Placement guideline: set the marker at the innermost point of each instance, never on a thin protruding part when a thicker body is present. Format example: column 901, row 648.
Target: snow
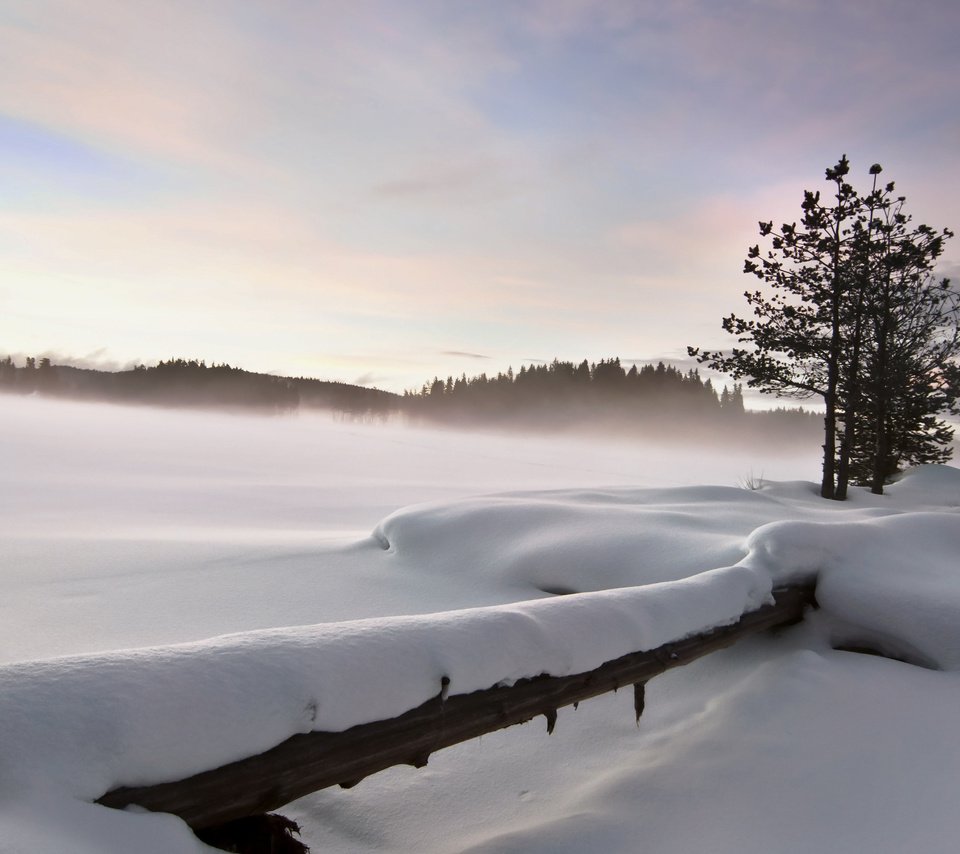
column 184, row 589
column 809, row 753
column 99, row 721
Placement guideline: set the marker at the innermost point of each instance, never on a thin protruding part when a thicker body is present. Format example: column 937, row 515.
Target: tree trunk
column 883, row 392
column 829, row 449
column 828, row 484
column 849, row 441
column 828, row 487
column 881, row 449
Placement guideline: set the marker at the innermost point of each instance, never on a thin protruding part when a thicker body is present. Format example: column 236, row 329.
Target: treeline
column 193, row 383
column 602, row 396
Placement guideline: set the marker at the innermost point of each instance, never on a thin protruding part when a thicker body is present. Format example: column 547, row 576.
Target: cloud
column 141, row 82
column 478, row 180
column 462, row 355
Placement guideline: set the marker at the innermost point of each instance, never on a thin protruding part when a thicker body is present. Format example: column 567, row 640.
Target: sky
column 384, row 192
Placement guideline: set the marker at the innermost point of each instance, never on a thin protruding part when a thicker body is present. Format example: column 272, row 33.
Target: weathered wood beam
column 308, row 762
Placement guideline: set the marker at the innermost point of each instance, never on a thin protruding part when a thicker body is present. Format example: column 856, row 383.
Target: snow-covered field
column 125, row 529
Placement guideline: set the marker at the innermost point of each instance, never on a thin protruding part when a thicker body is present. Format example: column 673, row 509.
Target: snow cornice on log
column 307, row 762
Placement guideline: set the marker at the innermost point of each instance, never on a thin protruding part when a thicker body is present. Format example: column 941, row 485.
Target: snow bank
column 90, row 723
column 886, row 565
column 892, row 580
column 577, row 540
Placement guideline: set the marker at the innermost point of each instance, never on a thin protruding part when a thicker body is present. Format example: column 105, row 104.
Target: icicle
column 639, row 698
column 444, row 688
column 551, row 716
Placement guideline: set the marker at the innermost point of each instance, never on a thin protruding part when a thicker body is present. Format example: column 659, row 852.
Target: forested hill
column 605, row 396
column 601, row 397
column 193, row 383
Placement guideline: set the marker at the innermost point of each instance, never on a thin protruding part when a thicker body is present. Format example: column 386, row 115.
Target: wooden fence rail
column 308, row 762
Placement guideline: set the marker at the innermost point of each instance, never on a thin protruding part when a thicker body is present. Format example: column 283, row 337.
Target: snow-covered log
column 307, row 762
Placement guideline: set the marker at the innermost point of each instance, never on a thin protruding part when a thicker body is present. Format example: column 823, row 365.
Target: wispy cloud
column 472, row 181
column 462, row 355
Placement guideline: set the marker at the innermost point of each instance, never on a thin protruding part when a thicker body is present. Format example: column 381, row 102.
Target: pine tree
column 853, row 313
column 795, row 337
column 912, row 343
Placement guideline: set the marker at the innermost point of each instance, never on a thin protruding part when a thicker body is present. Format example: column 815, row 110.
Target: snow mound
column 894, row 578
column 928, row 486
column 886, row 565
column 573, row 541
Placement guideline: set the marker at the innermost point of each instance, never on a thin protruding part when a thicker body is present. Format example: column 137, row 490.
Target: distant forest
column 194, row 383
column 560, row 396
column 605, row 396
